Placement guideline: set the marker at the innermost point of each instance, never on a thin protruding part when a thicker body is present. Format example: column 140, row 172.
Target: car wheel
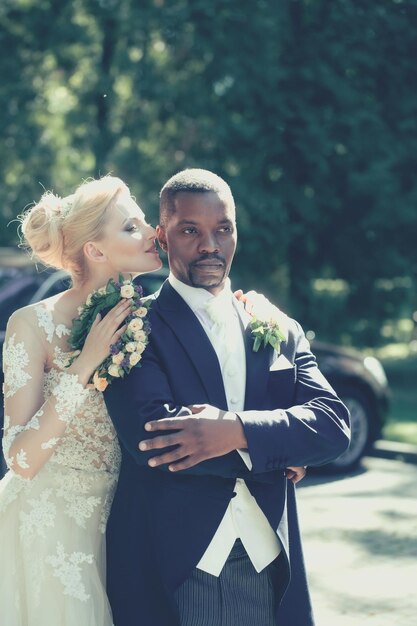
column 360, row 416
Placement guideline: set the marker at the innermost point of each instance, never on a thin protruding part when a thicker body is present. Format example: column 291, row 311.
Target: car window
column 16, row 293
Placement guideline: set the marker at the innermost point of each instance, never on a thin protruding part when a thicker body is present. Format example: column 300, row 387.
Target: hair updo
column 56, row 229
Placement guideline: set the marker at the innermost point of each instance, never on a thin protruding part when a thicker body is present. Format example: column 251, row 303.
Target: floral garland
column 127, row 351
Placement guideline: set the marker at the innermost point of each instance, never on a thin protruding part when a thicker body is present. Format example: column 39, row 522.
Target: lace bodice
column 49, row 415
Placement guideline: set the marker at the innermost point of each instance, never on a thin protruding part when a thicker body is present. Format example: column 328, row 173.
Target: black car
column 359, row 380
column 361, row 383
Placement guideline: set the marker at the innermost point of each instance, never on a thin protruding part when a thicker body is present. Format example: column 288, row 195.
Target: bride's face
column 128, row 242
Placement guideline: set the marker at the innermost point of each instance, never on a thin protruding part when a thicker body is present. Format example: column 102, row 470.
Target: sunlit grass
column 400, row 363
column 405, row 432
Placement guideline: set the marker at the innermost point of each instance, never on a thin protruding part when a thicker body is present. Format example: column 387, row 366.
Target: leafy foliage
column 127, row 351
column 305, row 107
column 265, row 334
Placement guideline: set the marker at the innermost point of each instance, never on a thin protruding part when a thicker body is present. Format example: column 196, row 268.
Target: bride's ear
column 93, row 253
column 160, row 233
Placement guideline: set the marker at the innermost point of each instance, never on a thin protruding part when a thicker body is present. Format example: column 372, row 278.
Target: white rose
column 140, row 347
column 127, row 291
column 131, row 346
column 118, row 358
column 134, row 358
column 89, row 299
column 135, row 325
column 139, row 335
column 141, row 311
column 114, row 370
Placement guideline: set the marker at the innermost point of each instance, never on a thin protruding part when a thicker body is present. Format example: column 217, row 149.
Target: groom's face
column 200, row 239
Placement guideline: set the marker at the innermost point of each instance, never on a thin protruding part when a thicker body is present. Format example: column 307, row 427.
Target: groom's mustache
column 209, row 257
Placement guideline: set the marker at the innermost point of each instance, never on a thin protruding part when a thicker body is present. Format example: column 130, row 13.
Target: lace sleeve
column 33, row 426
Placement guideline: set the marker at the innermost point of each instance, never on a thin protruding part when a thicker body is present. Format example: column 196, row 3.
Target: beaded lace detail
column 70, row 395
column 67, row 567
column 54, row 424
column 46, row 321
column 15, row 360
column 89, row 440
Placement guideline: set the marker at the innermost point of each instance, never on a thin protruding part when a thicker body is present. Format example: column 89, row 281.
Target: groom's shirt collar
column 196, row 297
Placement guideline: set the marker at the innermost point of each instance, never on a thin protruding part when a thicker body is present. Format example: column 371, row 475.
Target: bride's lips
column 152, row 250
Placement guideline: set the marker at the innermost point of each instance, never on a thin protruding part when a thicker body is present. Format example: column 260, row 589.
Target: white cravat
column 243, row 518
column 225, row 334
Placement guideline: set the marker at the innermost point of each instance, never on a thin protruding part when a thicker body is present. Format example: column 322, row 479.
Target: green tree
column 304, row 107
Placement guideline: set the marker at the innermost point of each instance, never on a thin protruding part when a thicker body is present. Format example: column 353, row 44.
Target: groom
column 203, row 529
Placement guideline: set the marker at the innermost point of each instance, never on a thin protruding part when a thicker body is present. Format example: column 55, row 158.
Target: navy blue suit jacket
column 161, row 522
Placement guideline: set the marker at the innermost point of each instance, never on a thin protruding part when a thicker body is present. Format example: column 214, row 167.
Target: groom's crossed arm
column 313, row 431
column 145, row 396
column 204, row 432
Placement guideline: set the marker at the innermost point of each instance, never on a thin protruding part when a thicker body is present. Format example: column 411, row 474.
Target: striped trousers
column 238, row 597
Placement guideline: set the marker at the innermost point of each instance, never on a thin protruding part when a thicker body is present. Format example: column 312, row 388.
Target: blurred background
column 307, row 108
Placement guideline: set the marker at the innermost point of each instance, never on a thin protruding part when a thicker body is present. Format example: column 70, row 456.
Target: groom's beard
column 208, row 271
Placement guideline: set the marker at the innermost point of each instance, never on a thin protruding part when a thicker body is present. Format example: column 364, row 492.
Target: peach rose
column 141, row 311
column 135, row 325
column 131, row 346
column 99, row 383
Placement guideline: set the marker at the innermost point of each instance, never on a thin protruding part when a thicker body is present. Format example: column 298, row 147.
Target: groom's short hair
column 192, row 180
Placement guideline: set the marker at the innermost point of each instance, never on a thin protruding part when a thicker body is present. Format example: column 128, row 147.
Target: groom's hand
column 209, row 433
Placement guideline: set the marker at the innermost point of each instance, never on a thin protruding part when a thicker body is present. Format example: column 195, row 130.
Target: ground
column 360, row 542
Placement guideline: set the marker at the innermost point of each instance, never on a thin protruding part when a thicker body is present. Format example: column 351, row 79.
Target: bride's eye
column 131, row 228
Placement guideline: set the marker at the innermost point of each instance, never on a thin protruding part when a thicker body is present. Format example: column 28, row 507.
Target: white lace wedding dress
column 52, row 520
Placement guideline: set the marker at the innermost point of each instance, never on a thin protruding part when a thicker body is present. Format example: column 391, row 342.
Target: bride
column 59, row 443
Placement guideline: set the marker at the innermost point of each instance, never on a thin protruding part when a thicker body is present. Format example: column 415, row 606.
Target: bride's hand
column 103, row 333
column 252, row 300
column 242, row 297
column 257, row 305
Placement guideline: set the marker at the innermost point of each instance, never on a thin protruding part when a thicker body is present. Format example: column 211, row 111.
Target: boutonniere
column 268, row 325
column 128, row 350
column 266, row 332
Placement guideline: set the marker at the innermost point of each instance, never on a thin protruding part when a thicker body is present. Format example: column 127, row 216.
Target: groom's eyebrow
column 181, row 222
column 193, row 223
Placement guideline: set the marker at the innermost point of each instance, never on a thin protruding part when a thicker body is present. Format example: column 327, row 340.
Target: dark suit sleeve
column 312, row 431
column 145, row 395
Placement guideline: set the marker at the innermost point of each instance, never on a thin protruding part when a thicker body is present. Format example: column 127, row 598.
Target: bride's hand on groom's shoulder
column 247, row 299
column 257, row 305
column 208, row 433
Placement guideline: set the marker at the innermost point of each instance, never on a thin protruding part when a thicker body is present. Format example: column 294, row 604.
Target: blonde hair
column 56, row 229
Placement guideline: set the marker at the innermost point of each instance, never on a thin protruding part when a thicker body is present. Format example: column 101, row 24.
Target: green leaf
column 257, row 344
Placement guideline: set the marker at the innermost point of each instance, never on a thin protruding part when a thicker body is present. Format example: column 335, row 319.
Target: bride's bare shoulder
column 33, row 314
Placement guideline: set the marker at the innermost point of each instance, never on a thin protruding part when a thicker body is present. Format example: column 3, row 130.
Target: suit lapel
column 257, row 365
column 190, row 333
